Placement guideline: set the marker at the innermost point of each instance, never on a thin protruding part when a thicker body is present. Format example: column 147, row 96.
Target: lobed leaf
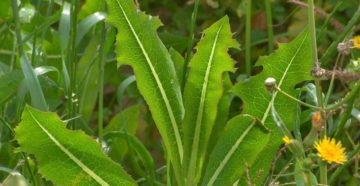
column 246, row 149
column 203, row 91
column 66, row 157
column 138, row 45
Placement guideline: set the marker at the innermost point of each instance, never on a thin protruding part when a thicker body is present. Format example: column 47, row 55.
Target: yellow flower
column 330, row 151
column 286, row 140
column 356, row 41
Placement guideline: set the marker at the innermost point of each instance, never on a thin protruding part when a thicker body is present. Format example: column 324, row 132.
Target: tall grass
column 72, row 66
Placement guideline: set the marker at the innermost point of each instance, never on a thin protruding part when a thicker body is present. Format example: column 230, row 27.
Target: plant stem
column 354, row 92
column 269, row 25
column 190, row 42
column 43, row 35
column 28, row 167
column 313, row 33
column 297, row 100
column 33, row 84
column 17, row 27
column 72, row 65
column 344, row 118
column 101, row 81
column 316, row 65
column 331, row 86
column 248, row 38
column 323, row 173
column 330, row 52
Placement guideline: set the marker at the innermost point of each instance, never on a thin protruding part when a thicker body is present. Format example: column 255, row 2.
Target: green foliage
column 154, row 71
column 9, row 82
column 204, row 123
column 126, row 120
column 246, row 147
column 81, row 158
column 203, row 90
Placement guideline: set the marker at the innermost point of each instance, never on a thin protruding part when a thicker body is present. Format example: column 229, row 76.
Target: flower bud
column 344, row 47
column 316, row 120
column 270, row 83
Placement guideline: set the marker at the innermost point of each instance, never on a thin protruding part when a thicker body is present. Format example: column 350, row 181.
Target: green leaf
column 139, row 46
column 203, row 91
column 245, row 146
column 222, row 115
column 88, row 85
column 81, row 158
column 137, row 146
column 33, row 84
column 86, row 24
column 9, row 84
column 64, row 26
column 91, row 6
column 124, row 120
column 178, row 63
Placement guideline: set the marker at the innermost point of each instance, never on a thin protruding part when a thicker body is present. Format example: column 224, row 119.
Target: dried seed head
column 344, row 48
column 318, row 72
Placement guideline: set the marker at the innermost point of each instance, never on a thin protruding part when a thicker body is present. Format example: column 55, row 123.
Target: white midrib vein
column 69, row 154
column 194, row 151
column 161, row 88
column 266, row 114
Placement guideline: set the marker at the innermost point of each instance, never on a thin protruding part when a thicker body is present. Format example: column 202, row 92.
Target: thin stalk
column 37, row 96
column 28, row 167
column 313, row 33
column 248, row 38
column 323, row 173
column 331, row 51
column 190, row 42
column 24, row 66
column 101, row 81
column 72, row 65
column 353, row 93
column 17, row 26
column 297, row 100
column 13, row 55
column 43, row 35
column 331, row 86
column 33, row 52
column 316, row 65
column 344, row 118
column 270, row 30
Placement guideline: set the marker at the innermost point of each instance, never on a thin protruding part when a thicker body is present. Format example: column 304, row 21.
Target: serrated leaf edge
column 266, row 114
column 199, row 117
column 68, row 153
column 160, row 86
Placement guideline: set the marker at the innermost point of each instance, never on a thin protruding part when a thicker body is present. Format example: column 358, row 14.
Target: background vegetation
column 62, row 57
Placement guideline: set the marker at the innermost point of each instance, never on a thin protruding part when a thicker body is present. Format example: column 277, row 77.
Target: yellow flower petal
column 356, row 41
column 286, row 140
column 330, row 151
